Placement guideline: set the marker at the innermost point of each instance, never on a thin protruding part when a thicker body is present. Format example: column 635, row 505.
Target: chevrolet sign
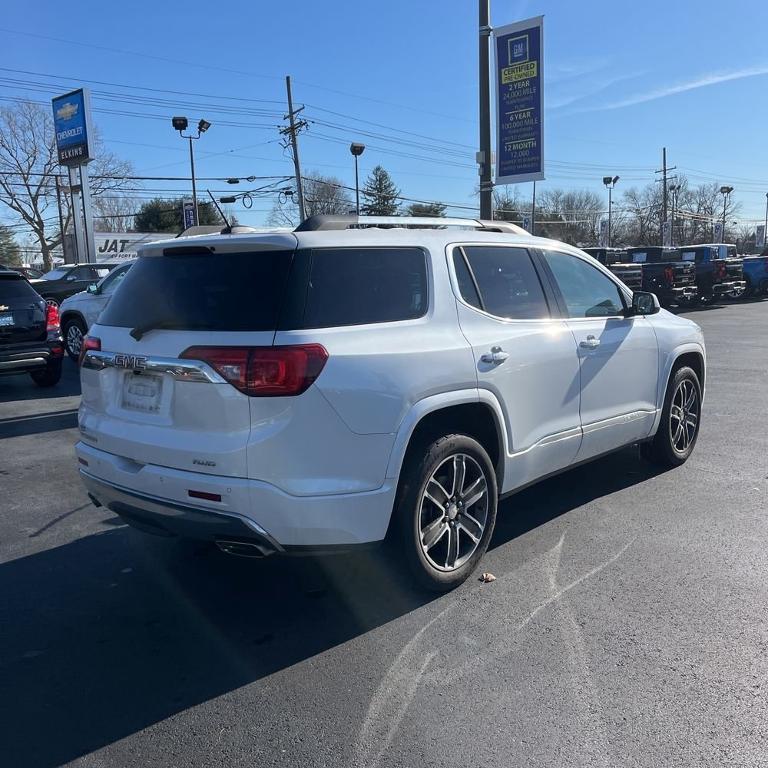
column 72, row 125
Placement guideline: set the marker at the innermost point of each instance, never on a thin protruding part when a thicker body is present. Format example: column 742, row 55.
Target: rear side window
column 208, row 291
column 16, row 287
column 508, row 283
column 358, row 286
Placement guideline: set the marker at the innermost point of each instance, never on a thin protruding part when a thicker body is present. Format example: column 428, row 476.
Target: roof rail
column 337, row 222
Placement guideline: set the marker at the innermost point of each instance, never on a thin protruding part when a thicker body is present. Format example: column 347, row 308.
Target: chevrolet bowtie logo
column 66, row 111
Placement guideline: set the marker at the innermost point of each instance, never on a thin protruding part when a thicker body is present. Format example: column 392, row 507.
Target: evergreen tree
column 426, row 209
column 380, row 194
column 165, row 215
column 10, row 253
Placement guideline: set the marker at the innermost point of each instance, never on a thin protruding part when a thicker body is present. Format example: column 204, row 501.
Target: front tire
column 74, row 331
column 446, row 511
column 678, row 430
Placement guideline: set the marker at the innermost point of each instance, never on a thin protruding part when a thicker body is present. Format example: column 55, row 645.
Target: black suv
column 30, row 337
column 68, row 279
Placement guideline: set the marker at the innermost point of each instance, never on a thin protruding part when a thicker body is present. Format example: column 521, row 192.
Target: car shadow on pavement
column 21, row 387
column 36, row 423
column 114, row 632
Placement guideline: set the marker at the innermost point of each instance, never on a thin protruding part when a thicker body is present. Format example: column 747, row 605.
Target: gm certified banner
column 72, row 123
column 519, row 101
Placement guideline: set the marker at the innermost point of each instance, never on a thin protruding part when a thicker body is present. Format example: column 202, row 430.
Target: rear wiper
column 140, row 330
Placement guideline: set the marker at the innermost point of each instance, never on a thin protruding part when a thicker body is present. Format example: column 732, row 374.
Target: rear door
column 22, row 311
column 141, row 400
column 619, row 356
column 524, row 354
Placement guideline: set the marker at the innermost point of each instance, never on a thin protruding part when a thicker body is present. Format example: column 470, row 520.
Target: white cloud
column 699, row 82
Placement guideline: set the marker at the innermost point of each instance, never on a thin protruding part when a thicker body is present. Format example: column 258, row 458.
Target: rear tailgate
column 22, row 312
column 145, row 403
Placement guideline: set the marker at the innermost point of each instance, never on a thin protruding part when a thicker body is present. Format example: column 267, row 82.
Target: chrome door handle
column 590, row 343
column 496, row 355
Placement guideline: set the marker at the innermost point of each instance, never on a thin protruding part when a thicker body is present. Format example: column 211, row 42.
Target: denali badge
column 137, row 362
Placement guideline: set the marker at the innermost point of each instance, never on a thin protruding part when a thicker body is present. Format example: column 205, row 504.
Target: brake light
column 722, row 271
column 89, row 343
column 51, row 318
column 669, row 273
column 264, row 371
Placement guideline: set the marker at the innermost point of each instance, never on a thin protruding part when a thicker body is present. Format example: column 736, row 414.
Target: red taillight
column 264, row 371
column 722, row 271
column 52, row 318
column 89, row 343
column 669, row 273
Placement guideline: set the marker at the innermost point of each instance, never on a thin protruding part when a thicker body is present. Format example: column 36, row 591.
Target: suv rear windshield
column 14, row 286
column 202, row 291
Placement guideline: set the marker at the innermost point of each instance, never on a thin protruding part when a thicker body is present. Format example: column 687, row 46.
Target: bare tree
column 28, row 170
column 322, row 195
column 114, row 213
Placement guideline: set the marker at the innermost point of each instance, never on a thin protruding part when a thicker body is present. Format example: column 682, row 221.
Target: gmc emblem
column 135, row 362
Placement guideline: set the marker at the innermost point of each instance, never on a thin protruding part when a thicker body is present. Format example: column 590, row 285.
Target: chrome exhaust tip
column 245, row 548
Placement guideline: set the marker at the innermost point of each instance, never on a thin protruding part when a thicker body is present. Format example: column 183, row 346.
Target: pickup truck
column 672, row 280
column 756, row 275
column 618, row 262
column 718, row 273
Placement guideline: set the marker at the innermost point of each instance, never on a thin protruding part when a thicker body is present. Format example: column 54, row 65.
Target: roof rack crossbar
column 338, row 222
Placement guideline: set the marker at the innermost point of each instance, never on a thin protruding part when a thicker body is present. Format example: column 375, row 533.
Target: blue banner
column 71, row 122
column 519, row 101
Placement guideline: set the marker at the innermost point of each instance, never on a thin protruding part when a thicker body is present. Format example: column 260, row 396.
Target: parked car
column 29, row 272
column 80, row 311
column 355, row 380
column 716, row 275
column 30, row 337
column 68, row 279
column 755, row 275
column 618, row 261
column 664, row 274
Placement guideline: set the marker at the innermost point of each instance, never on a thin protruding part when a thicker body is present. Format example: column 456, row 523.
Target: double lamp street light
column 180, row 124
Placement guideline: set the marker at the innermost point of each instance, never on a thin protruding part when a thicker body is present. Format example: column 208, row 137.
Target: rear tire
column 48, row 376
column 445, row 511
column 678, row 429
column 74, row 332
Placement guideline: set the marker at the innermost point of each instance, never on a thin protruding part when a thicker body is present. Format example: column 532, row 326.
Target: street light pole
column 194, row 183
column 484, row 155
column 765, row 231
column 610, row 182
column 180, row 124
column 357, row 150
column 725, row 191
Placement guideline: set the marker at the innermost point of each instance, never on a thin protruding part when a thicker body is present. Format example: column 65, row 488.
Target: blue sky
column 622, row 80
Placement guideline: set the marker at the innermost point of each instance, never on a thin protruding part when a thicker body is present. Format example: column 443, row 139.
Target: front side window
column 113, row 280
column 508, row 284
column 358, row 286
column 587, row 292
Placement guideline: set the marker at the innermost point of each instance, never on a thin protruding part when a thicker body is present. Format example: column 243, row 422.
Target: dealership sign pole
column 519, row 81
column 72, row 124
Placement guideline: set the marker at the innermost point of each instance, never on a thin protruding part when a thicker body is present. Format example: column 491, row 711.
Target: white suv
column 330, row 386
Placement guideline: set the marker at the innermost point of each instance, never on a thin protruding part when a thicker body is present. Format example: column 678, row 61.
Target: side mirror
column 645, row 303
column 93, row 288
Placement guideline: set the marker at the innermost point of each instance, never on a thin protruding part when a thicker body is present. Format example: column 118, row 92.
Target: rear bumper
column 686, row 292
column 28, row 357
column 156, row 499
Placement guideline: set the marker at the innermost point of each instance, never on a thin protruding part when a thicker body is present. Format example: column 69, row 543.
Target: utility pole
column 293, row 129
column 61, row 216
column 533, row 211
column 663, row 171
column 765, row 231
column 484, row 155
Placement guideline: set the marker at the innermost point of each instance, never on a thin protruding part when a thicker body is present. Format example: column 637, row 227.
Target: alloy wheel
column 74, row 339
column 453, row 513
column 684, row 416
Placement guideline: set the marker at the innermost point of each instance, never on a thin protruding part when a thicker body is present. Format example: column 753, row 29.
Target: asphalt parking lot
column 628, row 625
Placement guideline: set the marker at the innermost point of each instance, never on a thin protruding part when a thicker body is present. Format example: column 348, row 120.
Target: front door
column 619, row 356
column 526, row 357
